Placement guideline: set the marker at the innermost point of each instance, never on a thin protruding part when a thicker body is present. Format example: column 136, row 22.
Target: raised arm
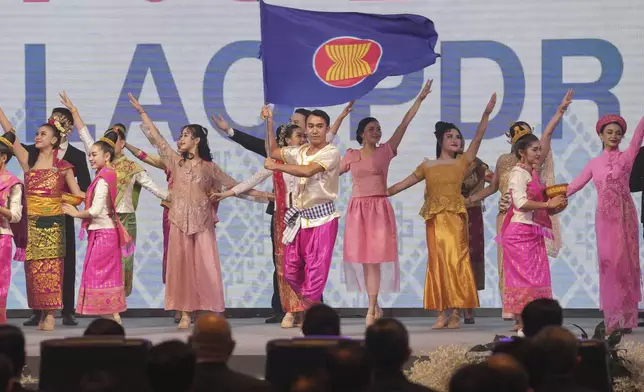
column 144, row 179
column 581, row 180
column 338, row 122
column 243, row 186
column 408, row 182
column 154, row 136
column 152, row 160
column 22, row 155
column 83, row 132
column 546, row 138
column 270, row 141
column 636, row 142
column 397, row 137
column 473, row 148
column 249, row 142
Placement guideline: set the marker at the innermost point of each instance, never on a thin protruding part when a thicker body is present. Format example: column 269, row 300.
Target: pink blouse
column 369, row 174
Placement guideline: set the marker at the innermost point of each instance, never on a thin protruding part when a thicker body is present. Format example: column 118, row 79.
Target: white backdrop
column 194, row 58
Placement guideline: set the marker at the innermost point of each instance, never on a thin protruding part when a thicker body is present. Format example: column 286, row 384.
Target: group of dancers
column 305, row 167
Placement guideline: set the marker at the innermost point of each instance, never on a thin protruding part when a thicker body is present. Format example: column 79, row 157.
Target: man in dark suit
column 213, row 343
column 257, row 145
column 637, row 185
column 387, row 343
column 78, row 159
column 12, row 345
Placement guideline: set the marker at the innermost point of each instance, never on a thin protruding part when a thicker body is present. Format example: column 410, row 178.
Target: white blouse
column 518, row 185
column 14, row 204
column 125, row 205
column 99, row 209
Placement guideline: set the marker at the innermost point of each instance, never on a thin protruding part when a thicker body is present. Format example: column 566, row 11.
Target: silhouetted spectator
column 348, row 369
column 104, row 327
column 387, row 342
column 321, row 320
column 12, row 345
column 6, row 374
column 171, row 367
column 541, row 313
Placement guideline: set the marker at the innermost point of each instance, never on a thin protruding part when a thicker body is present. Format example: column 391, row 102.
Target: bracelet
column 142, row 112
column 74, row 110
column 13, row 130
column 141, row 155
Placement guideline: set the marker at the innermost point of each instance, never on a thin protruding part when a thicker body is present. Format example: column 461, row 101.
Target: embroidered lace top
column 191, row 210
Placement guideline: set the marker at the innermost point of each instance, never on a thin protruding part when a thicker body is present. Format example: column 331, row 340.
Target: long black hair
column 6, row 150
column 33, row 155
column 441, row 128
column 203, row 149
column 106, row 147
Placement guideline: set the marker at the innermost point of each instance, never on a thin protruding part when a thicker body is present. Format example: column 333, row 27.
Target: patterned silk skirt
column 526, row 269
column 129, row 222
column 5, row 273
column 44, row 261
column 101, row 291
column 449, row 282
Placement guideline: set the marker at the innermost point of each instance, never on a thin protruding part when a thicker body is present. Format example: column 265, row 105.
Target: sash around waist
column 44, row 206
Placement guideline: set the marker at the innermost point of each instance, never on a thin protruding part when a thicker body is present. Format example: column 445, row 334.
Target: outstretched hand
column 70, row 210
column 566, row 101
column 490, row 105
column 266, row 112
column 427, row 89
column 347, row 109
column 64, row 99
column 135, row 103
column 220, row 122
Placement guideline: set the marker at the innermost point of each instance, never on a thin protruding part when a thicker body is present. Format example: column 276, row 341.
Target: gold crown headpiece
column 6, row 142
column 108, row 141
column 519, row 132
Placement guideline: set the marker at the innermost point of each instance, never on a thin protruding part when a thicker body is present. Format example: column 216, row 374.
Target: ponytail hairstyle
column 33, row 156
column 6, row 144
column 106, row 147
column 441, row 128
column 284, row 132
column 361, row 127
column 119, row 129
column 203, row 149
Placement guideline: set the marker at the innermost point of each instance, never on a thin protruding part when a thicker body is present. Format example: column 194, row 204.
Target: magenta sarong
column 102, row 291
column 5, row 273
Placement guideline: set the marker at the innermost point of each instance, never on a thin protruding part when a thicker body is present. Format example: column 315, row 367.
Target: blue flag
column 313, row 58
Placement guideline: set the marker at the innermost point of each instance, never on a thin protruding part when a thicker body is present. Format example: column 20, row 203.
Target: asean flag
column 313, row 58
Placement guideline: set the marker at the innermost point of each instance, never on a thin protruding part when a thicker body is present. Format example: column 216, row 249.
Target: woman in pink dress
column 616, row 224
column 526, row 270
column 193, row 276
column 102, row 291
column 370, row 235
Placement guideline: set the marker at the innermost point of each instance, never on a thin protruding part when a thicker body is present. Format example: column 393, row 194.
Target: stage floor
column 252, row 335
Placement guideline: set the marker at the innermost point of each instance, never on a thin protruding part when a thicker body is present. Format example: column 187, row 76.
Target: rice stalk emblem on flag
column 344, row 62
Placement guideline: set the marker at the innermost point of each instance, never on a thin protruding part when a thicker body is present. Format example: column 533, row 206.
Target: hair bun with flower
column 56, row 124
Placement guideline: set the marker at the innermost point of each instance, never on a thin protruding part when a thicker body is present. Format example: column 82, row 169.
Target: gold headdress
column 6, row 142
column 108, row 141
column 62, row 123
column 519, row 132
column 56, row 124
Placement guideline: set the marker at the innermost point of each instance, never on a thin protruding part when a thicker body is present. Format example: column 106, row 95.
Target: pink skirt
column 193, row 276
column 102, row 291
column 5, row 273
column 166, row 236
column 526, row 270
column 371, row 246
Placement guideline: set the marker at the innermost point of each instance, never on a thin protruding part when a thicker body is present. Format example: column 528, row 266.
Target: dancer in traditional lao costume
column 312, row 221
column 616, row 225
column 258, row 146
column 45, row 179
column 101, row 291
column 286, row 188
column 370, row 234
column 526, row 270
column 193, row 277
column 131, row 178
column 500, row 181
column 449, row 283
column 13, row 220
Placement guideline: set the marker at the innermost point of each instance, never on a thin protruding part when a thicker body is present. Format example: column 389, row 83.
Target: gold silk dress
column 449, row 282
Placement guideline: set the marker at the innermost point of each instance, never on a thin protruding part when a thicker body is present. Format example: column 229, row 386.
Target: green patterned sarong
column 129, row 223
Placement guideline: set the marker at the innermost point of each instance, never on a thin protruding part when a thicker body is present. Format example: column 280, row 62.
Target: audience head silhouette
column 6, row 374
column 171, row 367
column 348, row 368
column 498, row 376
column 541, row 313
column 212, row 338
column 558, row 350
column 387, row 342
column 321, row 320
column 104, row 327
column 12, row 345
